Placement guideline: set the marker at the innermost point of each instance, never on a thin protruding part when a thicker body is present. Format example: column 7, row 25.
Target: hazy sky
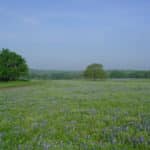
column 70, row 34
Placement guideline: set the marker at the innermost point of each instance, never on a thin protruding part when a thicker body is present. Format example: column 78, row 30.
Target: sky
column 71, row 34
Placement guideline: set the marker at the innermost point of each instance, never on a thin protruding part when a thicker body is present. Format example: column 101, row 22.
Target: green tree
column 12, row 66
column 95, row 71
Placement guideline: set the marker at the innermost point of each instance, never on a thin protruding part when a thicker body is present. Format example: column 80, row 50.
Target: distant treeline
column 54, row 75
column 129, row 74
column 58, row 75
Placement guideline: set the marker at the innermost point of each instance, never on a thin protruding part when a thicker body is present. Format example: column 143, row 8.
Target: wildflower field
column 73, row 115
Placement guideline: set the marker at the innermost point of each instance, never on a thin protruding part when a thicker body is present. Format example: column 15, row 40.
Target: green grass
column 73, row 115
column 12, row 84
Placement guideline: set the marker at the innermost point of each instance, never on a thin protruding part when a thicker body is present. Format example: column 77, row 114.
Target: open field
column 13, row 84
column 66, row 115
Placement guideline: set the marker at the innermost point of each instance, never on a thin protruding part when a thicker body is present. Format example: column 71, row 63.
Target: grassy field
column 73, row 115
column 13, row 84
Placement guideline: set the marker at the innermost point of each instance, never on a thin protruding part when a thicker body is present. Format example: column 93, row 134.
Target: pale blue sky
column 70, row 34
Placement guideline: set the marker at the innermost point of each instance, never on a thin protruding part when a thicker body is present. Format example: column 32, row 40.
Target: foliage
column 95, row 71
column 73, row 115
column 54, row 75
column 129, row 74
column 12, row 66
column 59, row 75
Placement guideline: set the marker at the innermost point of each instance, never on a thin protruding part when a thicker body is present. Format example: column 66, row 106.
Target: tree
column 95, row 71
column 12, row 66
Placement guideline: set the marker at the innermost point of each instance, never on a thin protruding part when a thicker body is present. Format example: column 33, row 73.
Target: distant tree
column 12, row 66
column 95, row 71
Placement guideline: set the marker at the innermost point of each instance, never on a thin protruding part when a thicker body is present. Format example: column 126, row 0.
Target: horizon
column 69, row 35
column 85, row 68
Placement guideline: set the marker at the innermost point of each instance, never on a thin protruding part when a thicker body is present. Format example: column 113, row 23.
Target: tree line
column 112, row 74
column 54, row 75
column 14, row 67
column 135, row 74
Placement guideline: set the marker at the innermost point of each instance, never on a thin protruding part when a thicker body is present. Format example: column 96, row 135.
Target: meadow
column 75, row 114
